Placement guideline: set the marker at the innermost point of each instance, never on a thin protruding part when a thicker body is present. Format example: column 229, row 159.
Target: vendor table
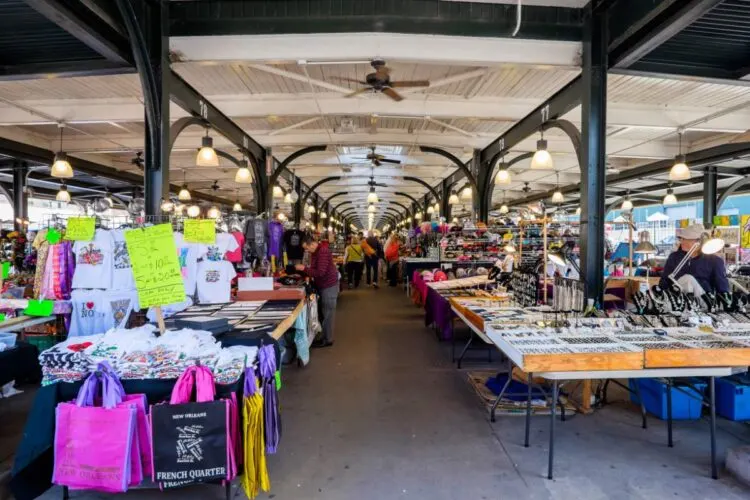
column 670, row 374
column 476, row 332
column 438, row 312
column 20, row 323
column 410, row 265
column 21, row 363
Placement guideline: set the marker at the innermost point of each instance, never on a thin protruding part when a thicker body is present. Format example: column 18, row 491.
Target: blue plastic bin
column 654, row 394
column 733, row 397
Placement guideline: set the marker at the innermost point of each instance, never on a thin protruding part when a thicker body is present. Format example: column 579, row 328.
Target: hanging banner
column 80, row 228
column 720, row 220
column 156, row 269
column 200, row 231
column 745, row 231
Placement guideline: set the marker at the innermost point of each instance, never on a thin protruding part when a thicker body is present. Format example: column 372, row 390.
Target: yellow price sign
column 156, row 269
column 80, row 228
column 200, row 231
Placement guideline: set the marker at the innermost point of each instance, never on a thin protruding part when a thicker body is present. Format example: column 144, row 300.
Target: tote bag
column 191, row 441
column 96, row 447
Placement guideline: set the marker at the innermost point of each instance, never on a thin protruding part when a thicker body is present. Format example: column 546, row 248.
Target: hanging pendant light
column 323, row 215
column 237, row 206
column 371, row 209
column 243, row 175
column 310, row 209
column 288, row 198
column 281, row 217
column 437, row 207
column 213, row 212
column 194, row 210
column 184, row 194
column 504, row 209
column 207, row 156
column 627, row 204
column 455, row 220
column 60, row 165
column 179, row 208
column 503, row 175
column 430, row 210
column 669, row 198
column 418, row 216
column 541, row 160
column 63, row 194
column 680, row 170
column 166, row 205
column 453, row 199
column 557, row 196
column 466, row 193
column 578, row 211
column 277, row 191
column 372, row 196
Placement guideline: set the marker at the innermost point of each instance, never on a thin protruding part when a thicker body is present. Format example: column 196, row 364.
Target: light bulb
column 61, row 167
column 288, row 198
column 418, row 215
column 430, row 210
column 63, row 194
column 310, row 209
column 278, row 192
column 466, row 193
column 371, row 209
column 323, row 215
column 670, row 198
column 281, row 217
column 184, row 194
column 437, row 207
column 372, row 197
column 213, row 213
column 627, row 205
column 557, row 197
column 542, row 160
column 680, row 170
column 243, row 176
column 453, row 200
column 502, row 177
column 455, row 220
column 207, row 156
column 194, row 210
column 167, row 205
column 237, row 207
column 504, row 209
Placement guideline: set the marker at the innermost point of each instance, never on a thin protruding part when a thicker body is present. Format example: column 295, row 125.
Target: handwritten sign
column 156, row 269
column 80, row 229
column 200, row 231
column 5, row 266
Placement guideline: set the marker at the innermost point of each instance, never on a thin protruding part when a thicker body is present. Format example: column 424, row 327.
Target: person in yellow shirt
column 354, row 258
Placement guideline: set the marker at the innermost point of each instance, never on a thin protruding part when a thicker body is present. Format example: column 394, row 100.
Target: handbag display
column 98, row 447
column 194, row 442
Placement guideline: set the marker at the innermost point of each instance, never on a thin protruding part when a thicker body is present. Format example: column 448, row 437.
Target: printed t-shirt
column 236, row 255
column 122, row 276
column 94, row 263
column 90, row 313
column 214, row 281
column 224, row 243
column 275, row 239
column 293, row 244
column 187, row 255
column 255, row 236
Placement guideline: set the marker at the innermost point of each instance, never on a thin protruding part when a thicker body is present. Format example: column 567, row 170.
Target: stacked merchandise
column 469, row 248
column 54, row 266
column 139, row 354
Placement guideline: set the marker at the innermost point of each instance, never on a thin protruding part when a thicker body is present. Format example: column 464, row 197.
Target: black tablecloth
column 20, row 364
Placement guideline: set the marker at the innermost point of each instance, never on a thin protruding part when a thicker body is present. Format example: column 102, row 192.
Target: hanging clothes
column 272, row 419
column 255, row 472
column 42, row 251
column 275, row 239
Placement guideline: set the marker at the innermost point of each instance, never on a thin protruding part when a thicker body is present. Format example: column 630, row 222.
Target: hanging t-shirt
column 94, row 263
column 275, row 239
column 187, row 255
column 236, row 255
column 122, row 276
column 293, row 244
column 90, row 315
column 121, row 304
column 224, row 243
column 214, row 281
column 255, row 237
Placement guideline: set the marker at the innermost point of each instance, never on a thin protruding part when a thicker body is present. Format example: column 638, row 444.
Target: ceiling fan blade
column 388, row 160
column 392, row 94
column 380, row 184
column 376, row 162
column 345, row 79
column 358, row 92
column 413, row 83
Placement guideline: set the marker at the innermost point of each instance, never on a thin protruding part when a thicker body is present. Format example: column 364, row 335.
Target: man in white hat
column 708, row 270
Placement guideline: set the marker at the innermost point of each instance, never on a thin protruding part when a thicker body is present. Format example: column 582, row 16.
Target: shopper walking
column 354, row 257
column 371, row 259
column 391, row 258
column 326, row 279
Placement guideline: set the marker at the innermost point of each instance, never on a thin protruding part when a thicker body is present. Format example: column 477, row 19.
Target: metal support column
column 445, row 194
column 710, row 195
column 268, row 167
column 20, row 200
column 594, row 119
column 297, row 206
column 481, row 197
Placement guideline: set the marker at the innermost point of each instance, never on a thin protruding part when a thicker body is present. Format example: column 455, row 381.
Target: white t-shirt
column 187, row 254
column 94, row 264
column 214, row 281
column 225, row 242
column 121, row 304
column 122, row 276
column 508, row 264
column 90, row 314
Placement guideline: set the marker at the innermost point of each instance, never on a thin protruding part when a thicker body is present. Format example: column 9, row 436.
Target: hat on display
column 440, row 276
column 460, row 273
column 451, row 275
column 692, row 232
column 428, row 276
column 482, row 270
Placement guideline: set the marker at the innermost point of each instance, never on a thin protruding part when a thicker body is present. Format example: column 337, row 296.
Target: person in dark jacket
column 708, row 270
column 371, row 261
column 326, row 278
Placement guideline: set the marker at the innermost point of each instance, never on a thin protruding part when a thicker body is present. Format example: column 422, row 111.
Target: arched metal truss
column 731, row 190
column 458, row 163
column 318, row 184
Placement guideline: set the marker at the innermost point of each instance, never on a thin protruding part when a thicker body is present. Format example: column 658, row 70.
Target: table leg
column 500, row 396
column 552, row 430
column 528, row 411
column 227, row 490
column 640, row 401
column 586, row 396
column 65, row 493
column 712, row 387
column 466, row 348
column 669, row 413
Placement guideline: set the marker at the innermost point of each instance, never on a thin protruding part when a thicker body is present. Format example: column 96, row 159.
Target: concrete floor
column 384, row 414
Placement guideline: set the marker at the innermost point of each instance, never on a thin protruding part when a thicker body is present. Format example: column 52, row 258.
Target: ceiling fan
column 372, row 183
column 380, row 81
column 377, row 159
